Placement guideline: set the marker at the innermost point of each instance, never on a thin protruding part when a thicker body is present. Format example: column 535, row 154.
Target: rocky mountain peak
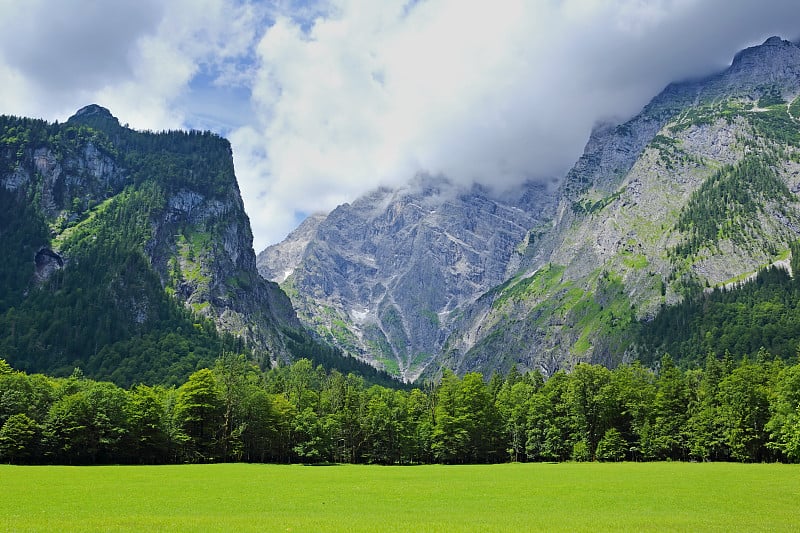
column 93, row 110
column 771, row 47
column 384, row 276
column 95, row 116
column 774, row 61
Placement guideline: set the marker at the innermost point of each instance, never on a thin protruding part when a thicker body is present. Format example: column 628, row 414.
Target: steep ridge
column 697, row 190
column 385, row 277
column 129, row 253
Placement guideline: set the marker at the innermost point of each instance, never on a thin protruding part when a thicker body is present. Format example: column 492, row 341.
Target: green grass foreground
column 511, row 497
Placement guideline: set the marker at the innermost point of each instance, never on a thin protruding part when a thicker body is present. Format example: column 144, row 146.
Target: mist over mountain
column 391, row 279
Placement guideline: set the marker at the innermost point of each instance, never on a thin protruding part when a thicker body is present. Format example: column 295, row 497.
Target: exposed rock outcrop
column 386, row 276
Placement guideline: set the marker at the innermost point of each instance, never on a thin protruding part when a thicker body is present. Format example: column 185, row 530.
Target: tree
column 784, row 423
column 589, row 403
column 261, row 425
column 551, row 430
column 313, row 442
column 236, row 379
column 744, row 411
column 149, row 439
column 704, row 429
column 450, row 437
column 382, row 424
column 612, row 447
column 513, row 404
column 664, row 436
column 17, row 439
column 67, row 431
column 635, row 390
column 418, row 428
column 199, row 409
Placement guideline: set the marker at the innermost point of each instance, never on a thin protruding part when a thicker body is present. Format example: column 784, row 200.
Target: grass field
column 514, row 497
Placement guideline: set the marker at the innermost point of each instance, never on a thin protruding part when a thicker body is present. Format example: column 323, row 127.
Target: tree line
column 745, row 411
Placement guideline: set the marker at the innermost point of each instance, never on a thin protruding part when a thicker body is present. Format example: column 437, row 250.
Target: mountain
column 697, row 191
column 384, row 278
column 129, row 254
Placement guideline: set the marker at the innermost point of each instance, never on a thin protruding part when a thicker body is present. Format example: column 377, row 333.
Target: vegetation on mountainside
column 744, row 411
column 762, row 313
column 106, row 308
column 106, row 311
column 727, row 206
column 587, row 206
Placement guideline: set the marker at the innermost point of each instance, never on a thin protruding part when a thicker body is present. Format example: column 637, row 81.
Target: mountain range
column 128, row 254
column 696, row 191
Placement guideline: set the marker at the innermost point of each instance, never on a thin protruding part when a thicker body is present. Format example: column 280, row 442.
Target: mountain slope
column 125, row 250
column 697, row 190
column 386, row 276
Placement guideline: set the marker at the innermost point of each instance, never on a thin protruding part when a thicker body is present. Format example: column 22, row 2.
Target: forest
column 741, row 319
column 725, row 410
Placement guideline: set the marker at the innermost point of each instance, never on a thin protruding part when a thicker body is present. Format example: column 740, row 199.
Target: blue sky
column 325, row 100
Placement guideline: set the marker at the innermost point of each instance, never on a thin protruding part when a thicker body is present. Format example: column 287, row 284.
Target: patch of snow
column 284, row 276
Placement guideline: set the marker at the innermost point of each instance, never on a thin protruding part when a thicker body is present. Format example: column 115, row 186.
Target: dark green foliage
column 726, row 206
column 771, row 97
column 22, row 234
column 105, row 310
column 724, row 411
column 777, row 125
column 759, row 314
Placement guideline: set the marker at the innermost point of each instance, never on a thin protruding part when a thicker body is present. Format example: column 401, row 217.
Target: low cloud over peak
column 372, row 94
column 325, row 100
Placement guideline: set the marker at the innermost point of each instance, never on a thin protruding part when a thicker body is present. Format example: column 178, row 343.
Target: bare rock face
column 47, row 263
column 386, row 276
column 278, row 262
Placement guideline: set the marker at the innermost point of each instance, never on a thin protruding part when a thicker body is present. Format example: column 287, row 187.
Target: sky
column 326, row 100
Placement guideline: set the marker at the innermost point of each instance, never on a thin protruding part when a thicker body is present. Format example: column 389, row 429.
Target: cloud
column 372, row 93
column 139, row 58
column 324, row 100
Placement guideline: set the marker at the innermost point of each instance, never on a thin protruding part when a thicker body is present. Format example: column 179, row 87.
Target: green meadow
column 510, row 497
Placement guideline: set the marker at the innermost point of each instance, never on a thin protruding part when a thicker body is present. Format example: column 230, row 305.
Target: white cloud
column 136, row 57
column 349, row 94
column 373, row 92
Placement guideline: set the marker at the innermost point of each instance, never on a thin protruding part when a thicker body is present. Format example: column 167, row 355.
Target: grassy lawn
column 516, row 497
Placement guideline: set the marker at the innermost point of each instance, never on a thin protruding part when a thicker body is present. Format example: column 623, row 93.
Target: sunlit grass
column 543, row 497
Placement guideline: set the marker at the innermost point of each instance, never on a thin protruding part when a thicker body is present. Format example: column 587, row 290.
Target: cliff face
column 143, row 223
column 386, row 276
column 697, row 190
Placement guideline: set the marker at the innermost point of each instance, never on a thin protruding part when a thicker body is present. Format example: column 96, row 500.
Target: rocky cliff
column 385, row 277
column 111, row 229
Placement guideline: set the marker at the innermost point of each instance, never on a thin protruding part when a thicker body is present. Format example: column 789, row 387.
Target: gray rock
column 385, row 276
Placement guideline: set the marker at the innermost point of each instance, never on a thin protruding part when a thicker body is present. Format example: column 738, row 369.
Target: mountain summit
column 385, row 277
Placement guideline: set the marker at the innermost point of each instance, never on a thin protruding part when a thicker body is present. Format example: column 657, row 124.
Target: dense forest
column 742, row 319
column 745, row 411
